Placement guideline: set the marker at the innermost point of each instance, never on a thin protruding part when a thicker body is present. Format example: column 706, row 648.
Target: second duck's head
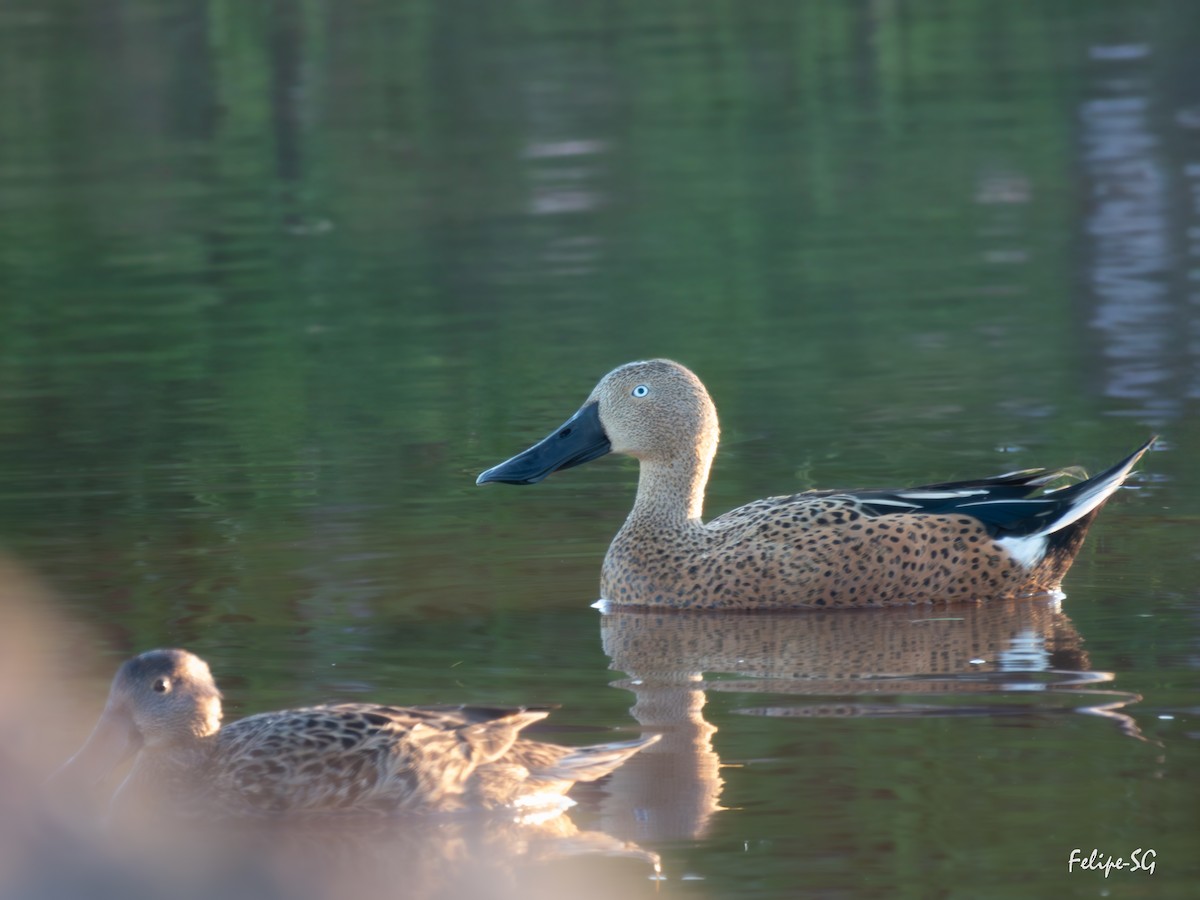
column 158, row 700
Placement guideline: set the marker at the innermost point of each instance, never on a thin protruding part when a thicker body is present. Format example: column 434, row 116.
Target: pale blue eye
column 641, row 391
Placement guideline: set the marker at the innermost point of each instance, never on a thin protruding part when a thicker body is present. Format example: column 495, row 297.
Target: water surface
column 276, row 284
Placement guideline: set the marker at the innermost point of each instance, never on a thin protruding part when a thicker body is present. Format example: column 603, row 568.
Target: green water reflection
column 277, row 280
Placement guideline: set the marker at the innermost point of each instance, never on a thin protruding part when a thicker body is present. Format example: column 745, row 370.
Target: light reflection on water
column 1131, row 232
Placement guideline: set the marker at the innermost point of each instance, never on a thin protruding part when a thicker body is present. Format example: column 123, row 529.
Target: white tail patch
column 1027, row 550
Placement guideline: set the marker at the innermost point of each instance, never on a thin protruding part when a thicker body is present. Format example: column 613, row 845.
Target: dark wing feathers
column 1015, row 503
column 1002, row 503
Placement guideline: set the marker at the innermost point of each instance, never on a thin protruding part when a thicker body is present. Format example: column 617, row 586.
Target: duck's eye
column 161, row 686
column 641, row 391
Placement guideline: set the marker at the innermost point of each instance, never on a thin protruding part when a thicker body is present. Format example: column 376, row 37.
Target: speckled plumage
column 1006, row 536
column 350, row 757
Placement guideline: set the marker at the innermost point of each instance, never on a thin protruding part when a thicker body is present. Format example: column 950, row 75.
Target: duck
column 1005, row 536
column 164, row 710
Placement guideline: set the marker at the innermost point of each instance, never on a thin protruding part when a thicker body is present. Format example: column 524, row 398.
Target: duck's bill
column 580, row 439
column 112, row 741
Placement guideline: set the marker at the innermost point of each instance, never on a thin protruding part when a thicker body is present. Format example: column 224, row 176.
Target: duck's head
column 656, row 411
column 158, row 699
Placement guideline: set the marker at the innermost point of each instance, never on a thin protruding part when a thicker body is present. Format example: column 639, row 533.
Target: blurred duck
column 164, row 708
column 1004, row 536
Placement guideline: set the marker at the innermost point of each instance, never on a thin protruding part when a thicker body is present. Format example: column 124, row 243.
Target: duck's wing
column 1014, row 504
column 359, row 757
column 1000, row 501
column 835, row 508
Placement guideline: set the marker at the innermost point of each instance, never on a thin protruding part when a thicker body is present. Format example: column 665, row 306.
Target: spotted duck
column 164, row 707
column 1004, row 536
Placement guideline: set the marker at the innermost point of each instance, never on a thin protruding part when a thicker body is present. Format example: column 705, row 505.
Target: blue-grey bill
column 580, row 439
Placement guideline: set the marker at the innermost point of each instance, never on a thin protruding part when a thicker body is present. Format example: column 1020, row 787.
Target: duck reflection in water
column 1007, row 658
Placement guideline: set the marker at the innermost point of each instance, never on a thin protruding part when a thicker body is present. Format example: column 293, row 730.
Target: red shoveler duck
column 1005, row 536
column 165, row 710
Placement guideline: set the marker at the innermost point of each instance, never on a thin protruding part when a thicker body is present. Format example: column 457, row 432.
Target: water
column 275, row 285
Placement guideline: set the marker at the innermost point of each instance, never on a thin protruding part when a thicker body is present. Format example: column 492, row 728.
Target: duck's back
column 358, row 758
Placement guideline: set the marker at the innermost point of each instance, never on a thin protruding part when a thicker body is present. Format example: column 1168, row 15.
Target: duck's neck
column 671, row 493
column 165, row 773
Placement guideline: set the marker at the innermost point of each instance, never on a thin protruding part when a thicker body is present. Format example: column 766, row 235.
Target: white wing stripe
column 1016, row 500
column 939, row 495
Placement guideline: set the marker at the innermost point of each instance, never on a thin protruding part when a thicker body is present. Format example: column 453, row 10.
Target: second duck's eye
column 641, row 391
column 161, row 686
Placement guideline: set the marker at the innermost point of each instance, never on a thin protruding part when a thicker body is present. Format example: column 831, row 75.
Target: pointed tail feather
column 1088, row 496
column 591, row 763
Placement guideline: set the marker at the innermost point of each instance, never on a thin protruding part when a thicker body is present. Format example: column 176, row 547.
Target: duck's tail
column 596, row 761
column 1058, row 528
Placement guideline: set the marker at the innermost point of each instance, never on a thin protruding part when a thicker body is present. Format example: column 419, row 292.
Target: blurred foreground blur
column 55, row 846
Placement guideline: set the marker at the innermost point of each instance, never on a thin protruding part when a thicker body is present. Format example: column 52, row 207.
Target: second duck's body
column 995, row 537
column 164, row 709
